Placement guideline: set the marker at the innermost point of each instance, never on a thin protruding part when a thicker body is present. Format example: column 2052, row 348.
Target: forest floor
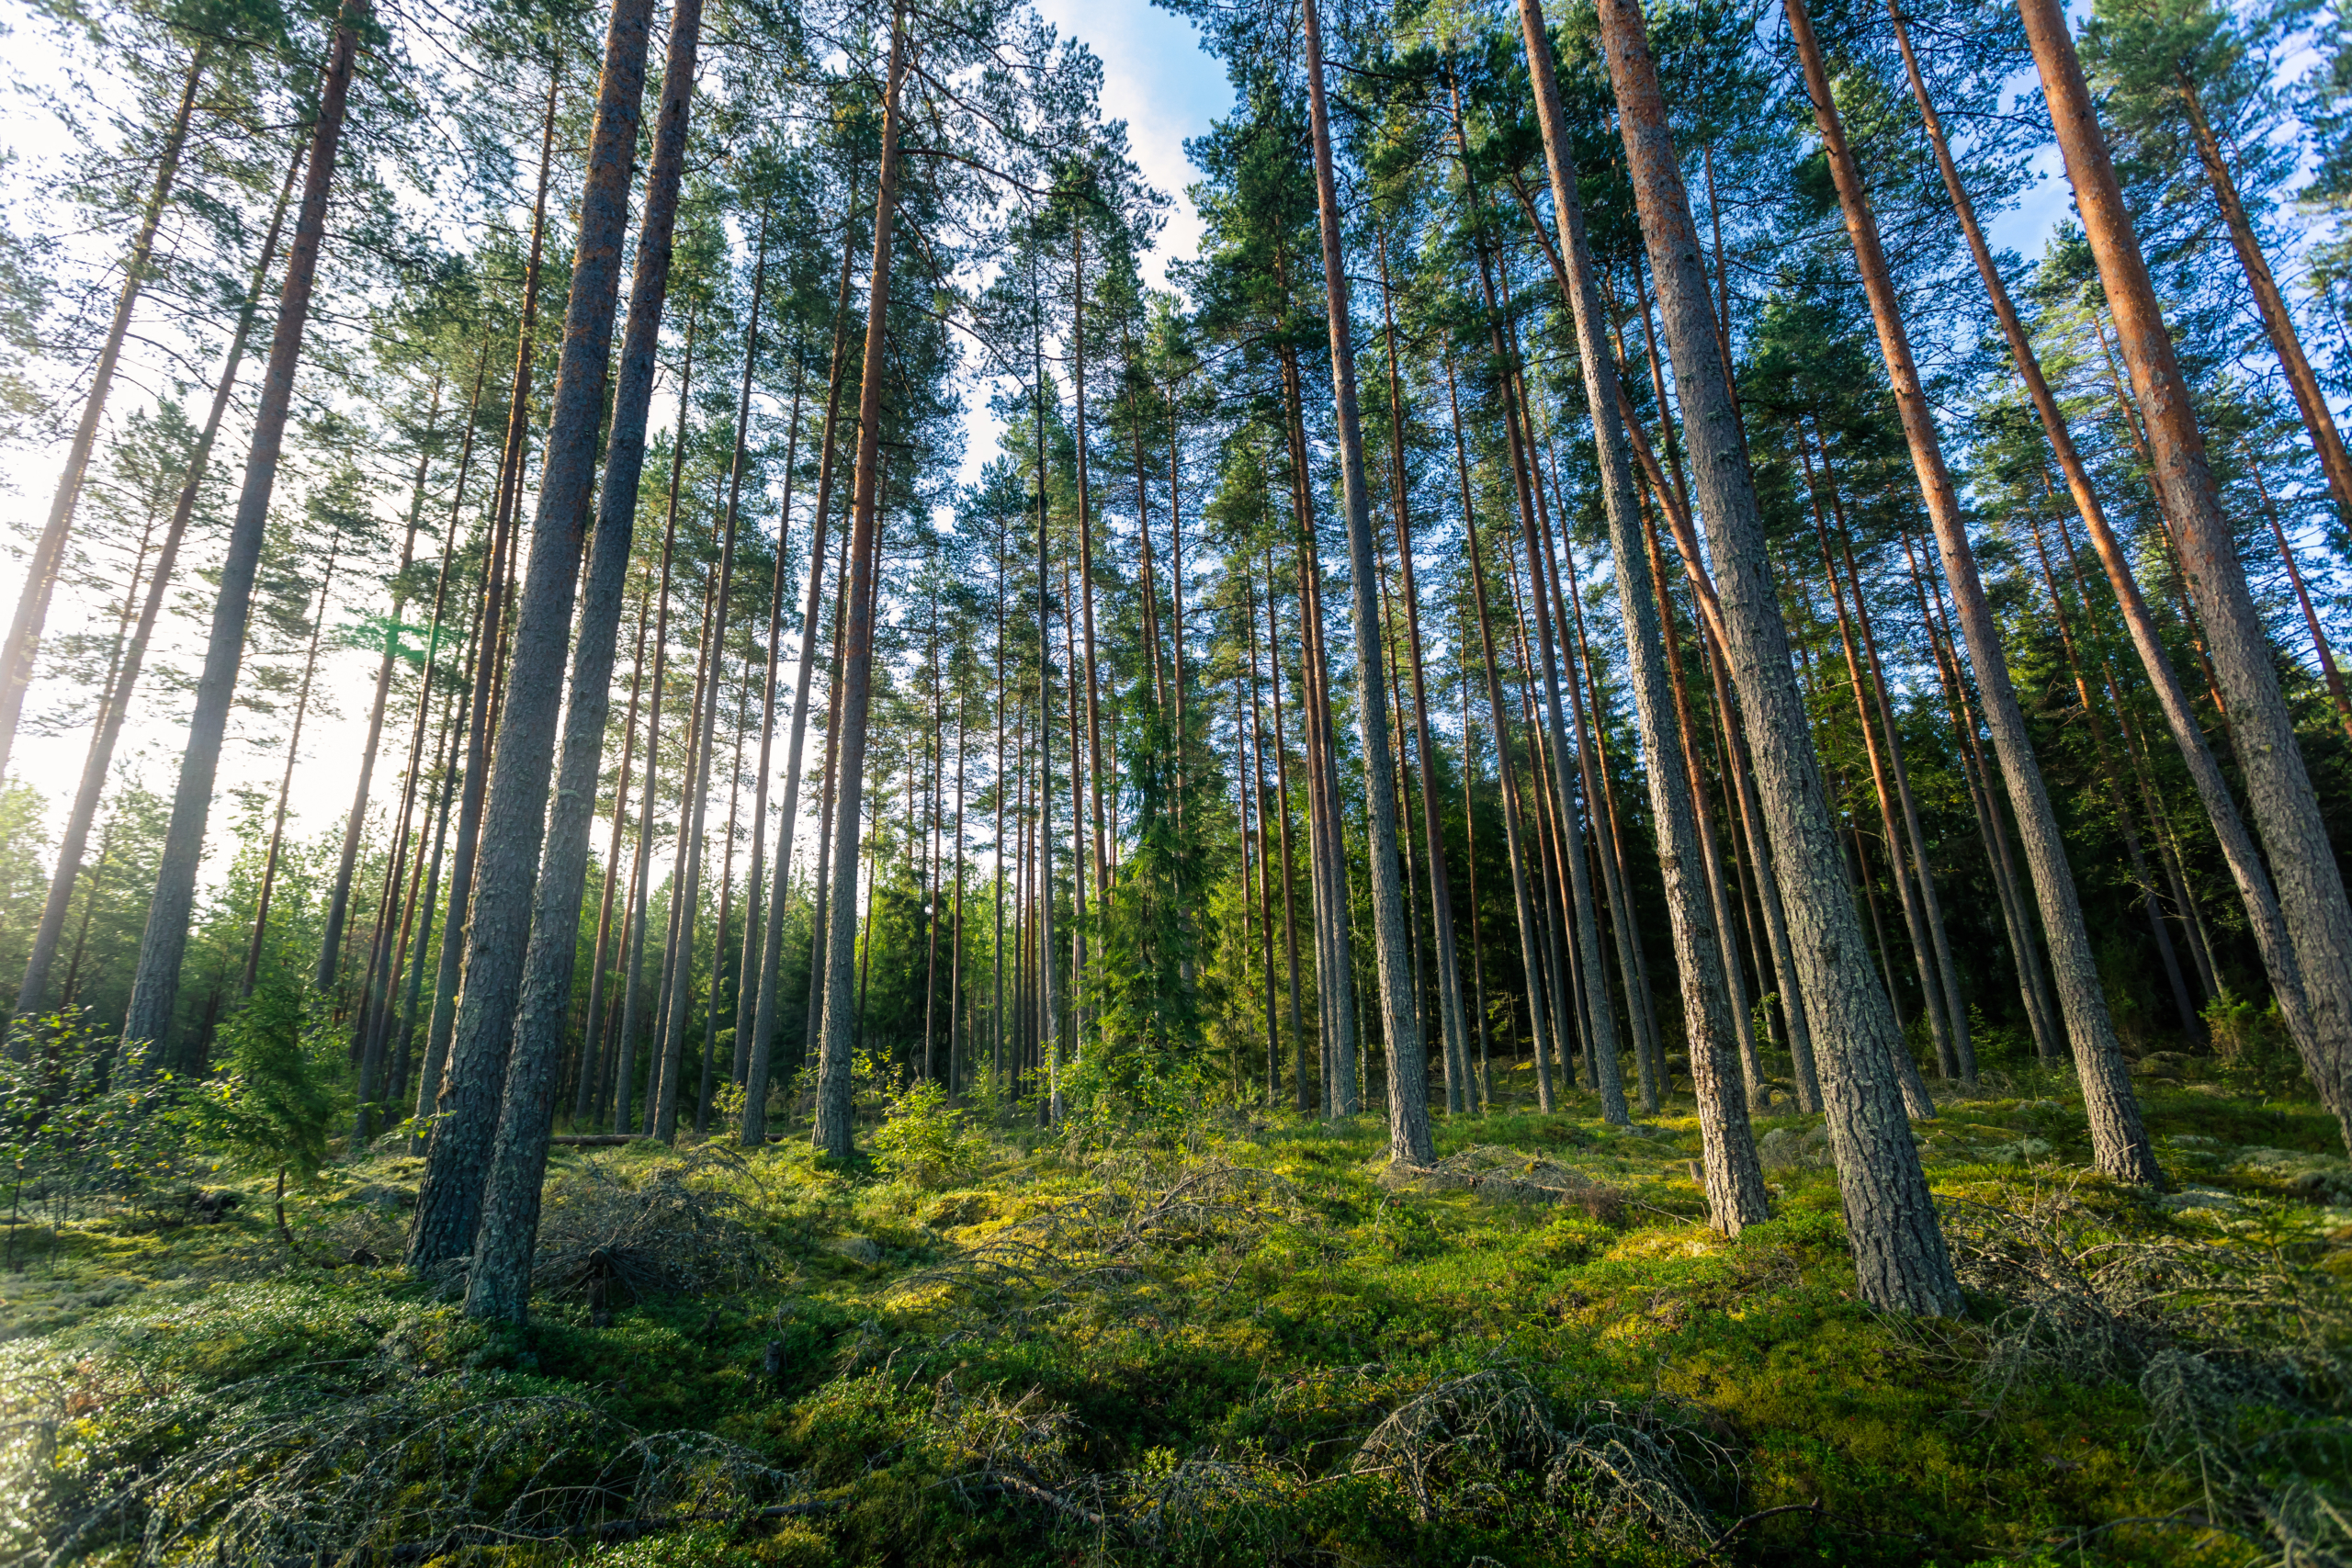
column 1231, row 1341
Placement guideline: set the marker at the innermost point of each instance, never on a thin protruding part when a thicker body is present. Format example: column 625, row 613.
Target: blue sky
column 1157, row 79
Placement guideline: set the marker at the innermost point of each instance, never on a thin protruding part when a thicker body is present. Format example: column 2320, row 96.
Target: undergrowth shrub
column 923, row 1143
column 2251, row 1045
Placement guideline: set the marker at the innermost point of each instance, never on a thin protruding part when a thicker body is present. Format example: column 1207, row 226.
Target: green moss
column 1177, row 1356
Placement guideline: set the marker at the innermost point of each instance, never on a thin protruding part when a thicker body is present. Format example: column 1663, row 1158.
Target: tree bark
column 2322, row 1026
column 833, row 1131
column 2120, row 1142
column 1449, row 964
column 19, row 653
column 155, row 986
column 2327, row 668
column 760, row 1066
column 748, row 969
column 286, row 778
column 354, row 826
column 1408, row 1120
column 1900, row 1260
column 471, row 1169
column 1735, row 1182
column 31, row 995
column 1513, row 831
column 641, row 876
column 2278, row 322
column 584, row 1096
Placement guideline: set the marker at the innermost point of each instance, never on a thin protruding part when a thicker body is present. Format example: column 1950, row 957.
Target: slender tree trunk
column 32, row 993
column 1086, row 557
column 758, row 1068
column 155, row 986
column 355, row 824
column 2322, row 1025
column 2278, row 322
column 1900, row 1258
column 2032, row 982
column 1301, row 1091
column 286, row 778
column 1449, row 964
column 584, row 1092
column 719, row 944
column 641, row 875
column 1530, row 938
column 2189, row 1022
column 1956, row 1011
column 813, row 1029
column 686, row 889
column 2120, row 1142
column 19, row 653
column 495, row 1122
column 1924, row 954
column 490, row 664
column 832, row 1132
column 749, row 968
column 1408, row 1124
column 2327, row 669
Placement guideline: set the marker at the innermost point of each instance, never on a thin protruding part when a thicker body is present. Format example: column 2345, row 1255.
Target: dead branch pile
column 1066, row 1253
column 1454, row 1445
column 1024, row 1452
column 284, row 1473
column 1492, row 1171
column 2242, row 1353
column 615, row 1236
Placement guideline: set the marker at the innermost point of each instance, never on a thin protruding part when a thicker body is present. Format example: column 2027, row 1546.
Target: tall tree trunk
column 2189, row 1022
column 19, row 653
column 1408, row 1119
column 333, row 940
column 286, row 779
column 156, row 985
column 2327, row 668
column 2120, row 1142
column 355, row 824
column 1086, row 556
column 2321, row 1025
column 488, row 673
column 832, row 1132
column 1923, row 953
column 758, row 1068
column 1301, row 1091
column 1449, row 964
column 685, row 887
column 719, row 944
column 748, row 970
column 1931, row 908
column 584, row 1097
column 641, row 875
column 464, row 1176
column 1514, row 832
column 31, row 995
column 2278, row 322
column 2032, row 981
column 812, row 1030
column 1900, row 1258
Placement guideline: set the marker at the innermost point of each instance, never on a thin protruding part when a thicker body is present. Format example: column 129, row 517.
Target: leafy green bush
column 923, row 1143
